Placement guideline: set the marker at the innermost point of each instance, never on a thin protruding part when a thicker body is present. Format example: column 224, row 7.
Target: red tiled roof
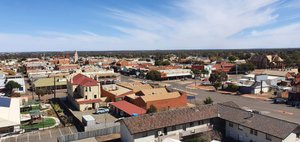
column 80, row 79
column 89, row 101
column 128, row 107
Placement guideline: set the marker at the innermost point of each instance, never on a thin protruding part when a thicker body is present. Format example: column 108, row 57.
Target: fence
column 89, row 134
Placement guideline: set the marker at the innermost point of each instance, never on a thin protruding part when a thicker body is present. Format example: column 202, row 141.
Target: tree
column 9, row 86
column 196, row 72
column 208, row 100
column 217, row 85
column 232, row 58
column 218, row 77
column 151, row 109
column 162, row 63
column 153, row 75
column 40, row 92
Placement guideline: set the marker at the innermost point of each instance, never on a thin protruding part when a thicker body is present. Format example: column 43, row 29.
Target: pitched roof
column 169, row 118
column 228, row 111
column 128, row 107
column 273, row 126
column 82, row 80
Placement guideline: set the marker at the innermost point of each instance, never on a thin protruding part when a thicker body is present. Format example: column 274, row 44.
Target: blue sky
column 60, row 25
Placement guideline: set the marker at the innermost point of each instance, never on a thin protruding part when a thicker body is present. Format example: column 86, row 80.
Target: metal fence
column 89, row 134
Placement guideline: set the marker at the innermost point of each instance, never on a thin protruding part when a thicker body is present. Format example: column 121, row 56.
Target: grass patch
column 46, row 123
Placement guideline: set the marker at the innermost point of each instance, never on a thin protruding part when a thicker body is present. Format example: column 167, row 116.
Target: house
column 10, row 115
column 223, row 66
column 67, row 67
column 226, row 118
column 84, row 92
column 161, row 98
column 20, row 80
column 267, row 61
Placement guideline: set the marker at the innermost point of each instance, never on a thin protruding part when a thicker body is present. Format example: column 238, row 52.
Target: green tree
column 9, row 86
column 217, row 85
column 232, row 58
column 208, row 100
column 151, row 109
column 154, row 75
column 218, row 77
column 232, row 88
column 162, row 63
column 40, row 92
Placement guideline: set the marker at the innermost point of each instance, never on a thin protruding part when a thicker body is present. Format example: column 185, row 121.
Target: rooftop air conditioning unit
column 160, row 133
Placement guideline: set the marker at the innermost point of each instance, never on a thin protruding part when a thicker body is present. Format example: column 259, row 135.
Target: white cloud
column 199, row 25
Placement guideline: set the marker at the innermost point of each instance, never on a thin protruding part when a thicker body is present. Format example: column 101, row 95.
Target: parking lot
column 37, row 136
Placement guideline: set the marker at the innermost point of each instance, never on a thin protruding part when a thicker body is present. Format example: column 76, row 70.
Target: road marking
column 60, row 132
column 50, row 133
column 39, row 135
column 70, row 130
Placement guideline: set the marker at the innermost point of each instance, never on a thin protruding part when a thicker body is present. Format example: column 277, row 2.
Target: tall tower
column 75, row 57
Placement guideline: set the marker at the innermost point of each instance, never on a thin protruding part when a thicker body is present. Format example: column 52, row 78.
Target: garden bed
column 47, row 122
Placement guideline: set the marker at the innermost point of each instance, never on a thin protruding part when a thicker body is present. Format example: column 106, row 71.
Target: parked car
column 279, row 101
column 297, row 105
column 101, row 110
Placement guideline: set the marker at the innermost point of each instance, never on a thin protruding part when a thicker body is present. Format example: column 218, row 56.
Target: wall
column 245, row 135
column 152, row 135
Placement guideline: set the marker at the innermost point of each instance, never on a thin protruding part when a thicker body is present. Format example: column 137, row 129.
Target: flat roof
column 88, row 118
column 115, row 89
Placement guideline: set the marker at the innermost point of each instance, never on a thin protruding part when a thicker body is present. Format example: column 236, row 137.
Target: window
column 173, row 128
column 268, row 137
column 200, row 122
column 86, row 97
column 191, row 124
column 145, row 134
column 240, row 128
column 90, row 88
column 86, row 89
column 253, row 132
column 95, row 96
column 230, row 124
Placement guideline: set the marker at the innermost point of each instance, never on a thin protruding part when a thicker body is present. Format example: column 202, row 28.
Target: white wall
column 245, row 135
column 125, row 134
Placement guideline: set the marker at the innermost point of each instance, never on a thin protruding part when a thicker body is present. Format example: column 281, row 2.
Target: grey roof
column 228, row 111
column 270, row 125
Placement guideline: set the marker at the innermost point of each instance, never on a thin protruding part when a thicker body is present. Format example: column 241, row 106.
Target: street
column 279, row 111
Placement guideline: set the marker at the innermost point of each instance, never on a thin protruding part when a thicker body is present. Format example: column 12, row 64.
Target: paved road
column 49, row 135
column 280, row 111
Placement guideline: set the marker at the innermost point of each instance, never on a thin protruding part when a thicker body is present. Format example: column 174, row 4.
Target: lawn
column 46, row 123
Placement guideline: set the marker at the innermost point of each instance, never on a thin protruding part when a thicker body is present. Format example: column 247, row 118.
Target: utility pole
column 54, row 87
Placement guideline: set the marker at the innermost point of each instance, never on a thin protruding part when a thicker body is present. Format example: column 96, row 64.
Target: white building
column 226, row 118
column 17, row 78
column 10, row 115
